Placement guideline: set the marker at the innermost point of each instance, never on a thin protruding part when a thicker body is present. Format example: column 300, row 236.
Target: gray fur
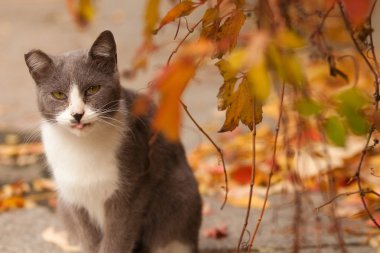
column 158, row 200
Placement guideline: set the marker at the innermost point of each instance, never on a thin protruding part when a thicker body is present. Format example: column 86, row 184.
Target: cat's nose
column 78, row 116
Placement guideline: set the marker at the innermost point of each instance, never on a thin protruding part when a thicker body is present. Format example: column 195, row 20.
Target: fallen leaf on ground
column 217, row 232
column 59, row 238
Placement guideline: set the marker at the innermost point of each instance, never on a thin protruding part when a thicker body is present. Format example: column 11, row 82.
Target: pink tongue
column 79, row 126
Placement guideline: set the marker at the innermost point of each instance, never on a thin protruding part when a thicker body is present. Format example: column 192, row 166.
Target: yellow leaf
column 237, row 60
column 229, row 32
column 241, row 108
column 171, row 84
column 151, row 17
column 180, row 10
column 225, row 70
column 286, row 65
column 83, row 11
column 86, row 10
column 259, row 81
column 290, row 40
column 225, row 94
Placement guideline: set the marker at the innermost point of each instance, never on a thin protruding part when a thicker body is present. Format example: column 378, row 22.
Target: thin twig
column 346, row 194
column 332, row 189
column 182, row 41
column 274, row 164
column 218, row 149
column 376, row 100
column 252, row 181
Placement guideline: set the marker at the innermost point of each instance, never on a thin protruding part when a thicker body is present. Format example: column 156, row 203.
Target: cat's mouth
column 81, row 126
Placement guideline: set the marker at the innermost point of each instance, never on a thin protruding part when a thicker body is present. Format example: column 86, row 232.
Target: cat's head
column 79, row 89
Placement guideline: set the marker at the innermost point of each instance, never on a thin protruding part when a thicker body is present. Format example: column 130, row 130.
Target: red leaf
column 357, row 11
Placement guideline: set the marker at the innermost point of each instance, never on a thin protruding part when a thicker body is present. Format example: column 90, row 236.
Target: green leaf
column 352, row 102
column 335, row 131
column 353, row 98
column 308, row 107
column 355, row 120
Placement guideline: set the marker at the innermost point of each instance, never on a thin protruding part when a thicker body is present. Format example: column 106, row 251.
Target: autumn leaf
column 225, row 69
column 289, row 40
column 308, row 107
column 241, row 109
column 170, row 84
column 351, row 102
column 151, row 17
column 239, row 3
column 286, row 65
column 180, row 10
column 229, row 31
column 210, row 23
column 259, row 81
column 225, row 94
column 357, row 11
column 83, row 11
column 218, row 232
column 335, row 131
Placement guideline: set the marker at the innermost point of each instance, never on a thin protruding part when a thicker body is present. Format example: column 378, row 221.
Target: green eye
column 59, row 95
column 92, row 90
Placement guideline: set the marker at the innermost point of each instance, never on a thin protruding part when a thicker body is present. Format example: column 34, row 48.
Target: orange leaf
column 210, row 23
column 12, row 203
column 229, row 31
column 171, row 84
column 180, row 10
column 357, row 11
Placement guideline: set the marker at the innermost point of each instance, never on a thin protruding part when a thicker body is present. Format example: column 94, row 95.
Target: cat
column 122, row 188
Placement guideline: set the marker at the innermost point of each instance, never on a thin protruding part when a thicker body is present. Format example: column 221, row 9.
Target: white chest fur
column 85, row 168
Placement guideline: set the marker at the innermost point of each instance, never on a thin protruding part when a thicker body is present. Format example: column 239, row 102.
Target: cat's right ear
column 39, row 64
column 103, row 52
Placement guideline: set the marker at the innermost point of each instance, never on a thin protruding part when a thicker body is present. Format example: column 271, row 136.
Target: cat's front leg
column 124, row 219
column 77, row 222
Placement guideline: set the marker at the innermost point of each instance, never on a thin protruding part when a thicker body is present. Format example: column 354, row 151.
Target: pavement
column 45, row 24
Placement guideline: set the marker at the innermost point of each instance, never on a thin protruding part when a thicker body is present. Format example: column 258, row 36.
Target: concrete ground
column 45, row 24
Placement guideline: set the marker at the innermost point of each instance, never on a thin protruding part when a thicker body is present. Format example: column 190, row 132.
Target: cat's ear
column 103, row 52
column 39, row 64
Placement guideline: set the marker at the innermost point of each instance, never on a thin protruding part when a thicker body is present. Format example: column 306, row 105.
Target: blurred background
column 27, row 200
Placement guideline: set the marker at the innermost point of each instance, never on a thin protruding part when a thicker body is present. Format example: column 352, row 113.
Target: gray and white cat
column 118, row 192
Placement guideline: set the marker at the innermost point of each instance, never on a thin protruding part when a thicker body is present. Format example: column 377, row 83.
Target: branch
column 376, row 100
column 218, row 149
column 271, row 170
column 183, row 40
column 346, row 194
column 252, row 181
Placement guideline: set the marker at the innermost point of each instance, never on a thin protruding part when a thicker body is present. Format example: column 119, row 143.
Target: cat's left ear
column 39, row 64
column 103, row 52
